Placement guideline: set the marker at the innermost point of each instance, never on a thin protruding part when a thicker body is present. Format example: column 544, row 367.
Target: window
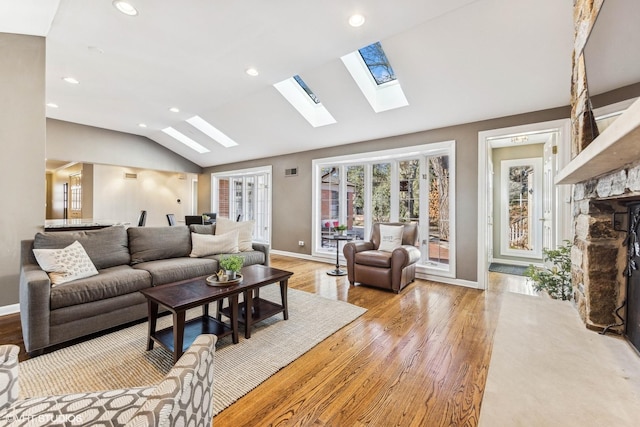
column 244, row 195
column 411, row 185
column 521, row 188
column 376, row 79
column 307, row 89
column 377, row 63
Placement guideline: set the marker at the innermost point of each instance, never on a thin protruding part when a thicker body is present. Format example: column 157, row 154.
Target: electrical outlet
column 300, row 242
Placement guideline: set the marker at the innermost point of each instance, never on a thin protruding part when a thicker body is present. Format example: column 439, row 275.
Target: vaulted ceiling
column 457, row 61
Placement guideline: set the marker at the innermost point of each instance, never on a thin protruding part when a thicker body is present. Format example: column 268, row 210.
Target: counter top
column 80, row 224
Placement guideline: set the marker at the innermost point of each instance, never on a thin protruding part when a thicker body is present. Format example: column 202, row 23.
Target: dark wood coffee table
column 255, row 277
column 178, row 298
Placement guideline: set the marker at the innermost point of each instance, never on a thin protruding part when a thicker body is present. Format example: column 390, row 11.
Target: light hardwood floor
column 418, row 358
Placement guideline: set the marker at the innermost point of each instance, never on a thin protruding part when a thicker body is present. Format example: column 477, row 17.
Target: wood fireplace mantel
column 617, row 147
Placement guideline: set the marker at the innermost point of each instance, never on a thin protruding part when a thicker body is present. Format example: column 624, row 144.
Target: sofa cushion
column 109, row 283
column 205, row 245
column 177, row 269
column 245, row 231
column 66, row 264
column 250, row 257
column 154, row 243
column 106, row 247
column 203, row 228
column 374, row 258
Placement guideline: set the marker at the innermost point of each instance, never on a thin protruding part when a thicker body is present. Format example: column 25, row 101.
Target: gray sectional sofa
column 127, row 260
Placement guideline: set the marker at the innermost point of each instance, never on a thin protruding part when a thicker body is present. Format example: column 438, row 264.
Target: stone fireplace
column 598, row 255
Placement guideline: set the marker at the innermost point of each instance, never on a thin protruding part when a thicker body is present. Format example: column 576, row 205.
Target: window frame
column 368, row 159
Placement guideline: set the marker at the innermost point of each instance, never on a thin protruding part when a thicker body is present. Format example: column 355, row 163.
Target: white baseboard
column 303, row 256
column 332, row 260
column 448, row 280
column 515, row 262
column 9, row 309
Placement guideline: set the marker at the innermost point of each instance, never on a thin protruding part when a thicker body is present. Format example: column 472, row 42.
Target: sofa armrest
column 173, row 401
column 264, row 248
column 35, row 295
column 9, row 385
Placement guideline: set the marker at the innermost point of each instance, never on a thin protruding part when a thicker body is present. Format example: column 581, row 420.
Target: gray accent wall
column 292, row 195
column 22, row 141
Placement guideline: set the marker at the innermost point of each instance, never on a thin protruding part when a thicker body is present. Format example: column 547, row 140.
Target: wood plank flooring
column 419, row 358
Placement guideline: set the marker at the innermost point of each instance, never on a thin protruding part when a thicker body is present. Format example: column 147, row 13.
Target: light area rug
column 119, row 359
column 547, row 369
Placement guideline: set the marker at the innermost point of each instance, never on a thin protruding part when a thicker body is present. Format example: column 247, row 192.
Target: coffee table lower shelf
column 192, row 328
column 261, row 309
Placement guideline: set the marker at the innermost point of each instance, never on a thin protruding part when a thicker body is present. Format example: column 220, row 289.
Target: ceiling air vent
column 291, row 172
column 129, row 175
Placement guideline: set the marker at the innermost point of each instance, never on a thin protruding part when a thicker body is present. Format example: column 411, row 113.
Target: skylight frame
column 384, row 97
column 315, row 113
column 307, row 89
column 211, row 131
column 184, row 139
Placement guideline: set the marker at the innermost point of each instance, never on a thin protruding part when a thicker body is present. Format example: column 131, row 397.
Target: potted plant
column 341, row 229
column 231, row 264
column 555, row 279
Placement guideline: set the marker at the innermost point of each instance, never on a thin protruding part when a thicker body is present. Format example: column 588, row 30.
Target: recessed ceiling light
column 125, row 7
column 71, row 80
column 356, row 20
column 142, row 125
column 174, row 109
column 52, row 105
column 252, row 72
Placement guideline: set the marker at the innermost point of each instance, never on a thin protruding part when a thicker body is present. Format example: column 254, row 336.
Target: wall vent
column 291, row 172
column 129, row 175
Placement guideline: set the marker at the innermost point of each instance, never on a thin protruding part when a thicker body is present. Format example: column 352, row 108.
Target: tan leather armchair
column 388, row 270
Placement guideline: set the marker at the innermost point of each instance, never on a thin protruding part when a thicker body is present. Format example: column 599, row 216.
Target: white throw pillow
column 67, row 264
column 244, row 228
column 210, row 244
column 390, row 237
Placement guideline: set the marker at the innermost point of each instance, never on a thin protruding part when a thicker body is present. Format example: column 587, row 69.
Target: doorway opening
column 520, row 210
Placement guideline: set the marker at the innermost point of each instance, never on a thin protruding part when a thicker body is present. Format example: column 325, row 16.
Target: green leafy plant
column 231, row 262
column 555, row 279
column 341, row 227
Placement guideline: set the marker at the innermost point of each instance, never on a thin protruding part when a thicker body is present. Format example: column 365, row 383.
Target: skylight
column 302, row 98
column 211, row 131
column 307, row 89
column 372, row 72
column 377, row 62
column 185, row 140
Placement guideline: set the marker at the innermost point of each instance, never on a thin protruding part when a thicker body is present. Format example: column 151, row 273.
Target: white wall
column 121, row 199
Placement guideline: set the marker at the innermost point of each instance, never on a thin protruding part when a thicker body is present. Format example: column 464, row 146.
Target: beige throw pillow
column 209, row 244
column 65, row 265
column 390, row 237
column 244, row 228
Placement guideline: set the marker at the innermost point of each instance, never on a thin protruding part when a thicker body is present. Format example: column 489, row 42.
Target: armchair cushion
column 374, row 258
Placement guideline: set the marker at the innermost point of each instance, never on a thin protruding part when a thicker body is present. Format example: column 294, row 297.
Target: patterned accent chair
column 183, row 397
column 383, row 269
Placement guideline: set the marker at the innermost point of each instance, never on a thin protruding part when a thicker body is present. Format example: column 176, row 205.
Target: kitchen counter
column 78, row 224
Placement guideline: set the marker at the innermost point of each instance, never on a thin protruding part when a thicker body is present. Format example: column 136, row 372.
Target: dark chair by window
column 142, row 219
column 212, row 217
column 171, row 218
column 388, row 270
column 193, row 219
